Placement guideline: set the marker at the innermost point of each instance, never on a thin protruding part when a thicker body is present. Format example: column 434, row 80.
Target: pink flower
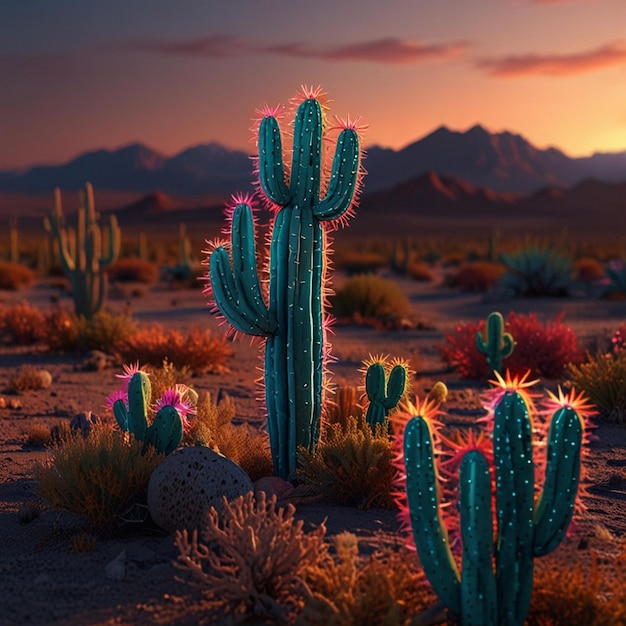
column 174, row 397
column 111, row 399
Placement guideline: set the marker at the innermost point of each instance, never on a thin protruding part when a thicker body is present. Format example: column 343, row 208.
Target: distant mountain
column 504, row 162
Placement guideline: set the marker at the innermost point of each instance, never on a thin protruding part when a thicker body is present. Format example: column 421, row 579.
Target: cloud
column 389, row 50
column 556, row 64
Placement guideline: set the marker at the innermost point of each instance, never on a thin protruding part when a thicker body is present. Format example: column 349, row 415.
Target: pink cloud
column 611, row 55
column 388, row 50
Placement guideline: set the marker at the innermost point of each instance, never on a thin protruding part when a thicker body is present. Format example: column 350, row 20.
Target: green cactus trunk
column 293, row 319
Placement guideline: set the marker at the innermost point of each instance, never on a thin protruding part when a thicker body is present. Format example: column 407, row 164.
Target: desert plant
column 386, row 383
column 14, row 276
column 200, row 351
column 370, row 299
column 131, row 404
column 167, row 377
column 603, row 379
column 350, row 590
column 351, row 464
column 29, row 378
column 525, row 528
column 400, row 257
column 68, row 332
column 494, row 343
column 253, row 560
column 99, row 477
column 21, row 324
column 355, row 262
column 535, row 270
column 616, row 275
column 419, row 271
column 293, row 320
column 83, row 260
column 134, row 270
column 545, row 350
column 38, row 435
column 476, row 276
column 344, row 403
column 588, row 270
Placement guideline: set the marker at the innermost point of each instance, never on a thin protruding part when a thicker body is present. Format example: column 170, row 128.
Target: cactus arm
column 514, row 506
column 343, row 178
column 139, row 393
column 121, row 414
column 429, row 532
column 306, row 169
column 556, row 503
column 166, row 431
column 479, row 595
column 395, row 386
column 271, row 167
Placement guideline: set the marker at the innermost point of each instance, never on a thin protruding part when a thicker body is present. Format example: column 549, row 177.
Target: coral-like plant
column 351, row 465
column 82, row 257
column 293, row 320
column 371, row 300
column 536, row 270
column 201, row 351
column 526, row 526
column 131, row 404
column 544, row 349
column 257, row 560
column 494, row 343
column 386, row 383
column 100, row 476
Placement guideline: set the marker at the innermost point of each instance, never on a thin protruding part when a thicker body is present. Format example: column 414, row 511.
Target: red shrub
column 21, row 324
column 477, row 276
column 545, row 350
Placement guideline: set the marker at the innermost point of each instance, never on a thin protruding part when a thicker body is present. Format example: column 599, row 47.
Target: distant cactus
column 496, row 344
column 400, row 257
column 81, row 255
column 385, row 385
column 494, row 585
column 293, row 321
column 14, row 244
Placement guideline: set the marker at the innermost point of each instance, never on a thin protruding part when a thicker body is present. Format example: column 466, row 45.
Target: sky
column 79, row 75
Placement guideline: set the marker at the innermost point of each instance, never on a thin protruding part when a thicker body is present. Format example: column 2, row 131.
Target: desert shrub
column 200, row 351
column 603, row 379
column 67, row 332
column 616, row 275
column 258, row 559
column 536, row 270
column 29, row 378
column 344, row 403
column 370, row 299
column 167, row 377
column 544, row 349
column 477, row 276
column 38, row 435
column 588, row 269
column 100, row 476
column 618, row 340
column 213, row 427
column 350, row 590
column 21, row 324
column 419, row 271
column 134, row 270
column 351, row 465
column 14, row 276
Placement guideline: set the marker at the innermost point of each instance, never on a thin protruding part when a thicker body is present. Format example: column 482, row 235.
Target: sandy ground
column 43, row 582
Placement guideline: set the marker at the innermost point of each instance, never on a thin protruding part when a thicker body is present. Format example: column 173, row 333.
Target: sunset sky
column 83, row 74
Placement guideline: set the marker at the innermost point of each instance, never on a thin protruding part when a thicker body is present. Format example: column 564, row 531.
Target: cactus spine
column 496, row 344
column 293, row 319
column 82, row 259
column 383, row 393
column 480, row 595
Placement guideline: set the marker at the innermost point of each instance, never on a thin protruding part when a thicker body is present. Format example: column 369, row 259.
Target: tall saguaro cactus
column 480, row 594
column 293, row 318
column 81, row 255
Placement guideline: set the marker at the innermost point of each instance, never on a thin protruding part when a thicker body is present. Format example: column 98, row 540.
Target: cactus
column 81, row 256
column 480, row 595
column 384, row 388
column 496, row 344
column 293, row 320
column 131, row 413
column 399, row 260
column 14, row 244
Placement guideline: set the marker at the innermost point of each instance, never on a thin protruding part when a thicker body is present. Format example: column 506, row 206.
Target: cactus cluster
column 81, row 252
column 495, row 583
column 292, row 318
column 130, row 407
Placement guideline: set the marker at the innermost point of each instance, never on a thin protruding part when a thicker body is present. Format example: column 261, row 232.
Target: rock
column 273, row 486
column 116, row 569
column 81, row 422
column 188, row 482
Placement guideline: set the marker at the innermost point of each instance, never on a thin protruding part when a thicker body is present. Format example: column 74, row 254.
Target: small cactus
column 496, row 344
column 385, row 385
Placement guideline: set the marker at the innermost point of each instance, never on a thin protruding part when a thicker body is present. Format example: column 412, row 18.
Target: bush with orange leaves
column 253, row 559
column 476, row 276
column 21, row 324
column 200, row 351
column 545, row 350
column 14, row 276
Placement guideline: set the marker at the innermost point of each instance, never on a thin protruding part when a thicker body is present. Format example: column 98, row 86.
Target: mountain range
column 502, row 162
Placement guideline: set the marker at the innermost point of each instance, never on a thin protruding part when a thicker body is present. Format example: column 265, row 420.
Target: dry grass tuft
column 29, row 378
column 14, row 276
column 38, row 435
column 21, row 324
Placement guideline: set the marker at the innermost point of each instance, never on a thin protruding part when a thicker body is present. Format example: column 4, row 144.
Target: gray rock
column 188, row 482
